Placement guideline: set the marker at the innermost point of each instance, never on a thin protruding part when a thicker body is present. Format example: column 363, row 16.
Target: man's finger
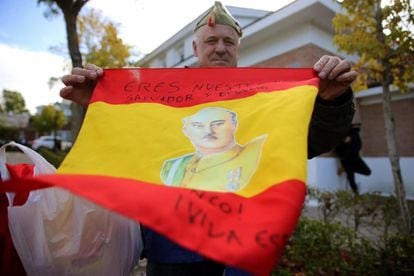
column 65, row 92
column 91, row 74
column 321, row 63
column 91, row 66
column 94, row 68
column 68, row 93
column 72, row 79
column 347, row 76
column 66, row 89
column 79, row 71
column 342, row 67
column 326, row 71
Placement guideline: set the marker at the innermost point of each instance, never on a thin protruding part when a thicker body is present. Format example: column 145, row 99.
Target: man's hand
column 336, row 76
column 80, row 84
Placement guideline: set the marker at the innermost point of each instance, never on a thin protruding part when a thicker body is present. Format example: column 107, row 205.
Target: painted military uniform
column 227, row 171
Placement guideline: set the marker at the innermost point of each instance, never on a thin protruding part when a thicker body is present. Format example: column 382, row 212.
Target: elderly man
column 217, row 44
column 219, row 163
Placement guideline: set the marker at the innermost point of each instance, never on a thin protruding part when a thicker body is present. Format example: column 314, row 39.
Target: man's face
column 216, row 46
column 210, row 130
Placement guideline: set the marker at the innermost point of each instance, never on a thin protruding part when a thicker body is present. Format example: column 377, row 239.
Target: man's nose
column 220, row 47
column 211, row 129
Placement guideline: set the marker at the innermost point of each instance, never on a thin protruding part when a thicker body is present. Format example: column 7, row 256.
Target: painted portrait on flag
column 219, row 163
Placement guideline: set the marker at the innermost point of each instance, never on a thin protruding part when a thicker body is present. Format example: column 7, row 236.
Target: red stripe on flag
column 222, row 226
column 181, row 87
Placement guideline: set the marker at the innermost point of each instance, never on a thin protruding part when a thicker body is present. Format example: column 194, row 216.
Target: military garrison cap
column 218, row 14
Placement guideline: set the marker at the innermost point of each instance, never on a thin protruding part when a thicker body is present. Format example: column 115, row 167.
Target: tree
column 70, row 10
column 50, row 119
column 96, row 41
column 380, row 35
column 100, row 43
column 14, row 102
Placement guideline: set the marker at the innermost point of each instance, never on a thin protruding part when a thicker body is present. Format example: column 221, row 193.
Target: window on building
column 180, row 53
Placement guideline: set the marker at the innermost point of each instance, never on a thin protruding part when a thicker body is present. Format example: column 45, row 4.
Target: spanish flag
column 212, row 158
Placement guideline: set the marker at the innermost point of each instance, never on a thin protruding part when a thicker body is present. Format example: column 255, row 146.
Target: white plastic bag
column 57, row 233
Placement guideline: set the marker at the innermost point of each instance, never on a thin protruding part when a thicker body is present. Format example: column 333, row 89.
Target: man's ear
column 195, row 53
column 238, row 51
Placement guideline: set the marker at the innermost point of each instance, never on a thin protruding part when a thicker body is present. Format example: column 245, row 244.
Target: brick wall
column 305, row 56
column 373, row 130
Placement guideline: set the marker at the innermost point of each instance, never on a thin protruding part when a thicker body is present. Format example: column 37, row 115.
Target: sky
column 27, row 37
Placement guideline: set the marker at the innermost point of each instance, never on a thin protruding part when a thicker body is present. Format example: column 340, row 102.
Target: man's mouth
column 210, row 137
column 219, row 59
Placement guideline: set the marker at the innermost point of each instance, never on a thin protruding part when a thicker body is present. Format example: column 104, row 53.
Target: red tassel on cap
column 211, row 20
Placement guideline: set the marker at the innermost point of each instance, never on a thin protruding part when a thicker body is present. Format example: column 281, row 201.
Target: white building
column 297, row 35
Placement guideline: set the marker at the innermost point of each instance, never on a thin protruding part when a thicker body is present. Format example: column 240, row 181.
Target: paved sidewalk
column 371, row 228
column 16, row 157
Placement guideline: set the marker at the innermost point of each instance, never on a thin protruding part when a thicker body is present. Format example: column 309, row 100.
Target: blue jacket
column 159, row 249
